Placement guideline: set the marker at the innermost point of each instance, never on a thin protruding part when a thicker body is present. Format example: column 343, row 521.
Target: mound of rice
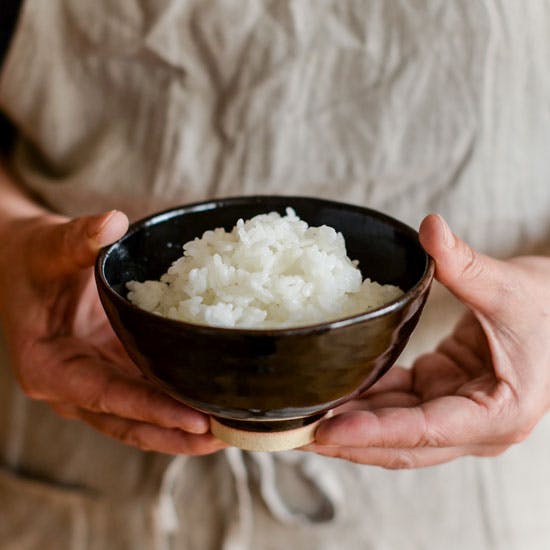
column 271, row 271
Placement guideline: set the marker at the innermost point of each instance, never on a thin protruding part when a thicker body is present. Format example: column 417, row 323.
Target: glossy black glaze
column 266, row 378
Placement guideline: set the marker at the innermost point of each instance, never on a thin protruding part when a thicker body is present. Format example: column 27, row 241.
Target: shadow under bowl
column 266, row 380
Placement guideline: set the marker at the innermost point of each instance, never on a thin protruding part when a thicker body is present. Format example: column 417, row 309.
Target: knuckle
column 520, row 434
column 491, row 451
column 518, row 431
column 29, row 388
column 523, row 415
column 100, row 400
column 130, row 435
column 433, row 438
column 63, row 411
column 150, row 399
column 401, row 460
column 349, row 455
column 472, row 267
column 31, row 370
column 429, row 436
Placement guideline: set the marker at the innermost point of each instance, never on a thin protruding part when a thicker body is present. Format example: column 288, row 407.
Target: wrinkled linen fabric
column 406, row 107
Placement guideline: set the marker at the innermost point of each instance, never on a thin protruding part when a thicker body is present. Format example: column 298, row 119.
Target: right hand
column 62, row 348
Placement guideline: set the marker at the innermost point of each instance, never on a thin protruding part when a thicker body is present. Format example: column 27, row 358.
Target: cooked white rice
column 270, row 271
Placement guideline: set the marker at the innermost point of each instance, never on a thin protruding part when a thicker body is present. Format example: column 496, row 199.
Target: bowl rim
column 399, row 303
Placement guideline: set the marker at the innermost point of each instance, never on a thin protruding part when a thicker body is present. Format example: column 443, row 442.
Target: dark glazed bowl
column 266, row 380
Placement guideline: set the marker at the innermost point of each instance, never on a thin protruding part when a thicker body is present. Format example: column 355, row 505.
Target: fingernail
column 110, row 227
column 322, row 435
column 448, row 237
column 97, row 225
column 199, row 424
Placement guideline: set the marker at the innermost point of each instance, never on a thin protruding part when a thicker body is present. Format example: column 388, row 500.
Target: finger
column 444, row 422
column 396, row 379
column 64, row 248
column 380, row 400
column 152, row 438
column 475, row 279
column 66, row 411
column 137, row 400
column 93, row 384
column 392, row 459
column 401, row 459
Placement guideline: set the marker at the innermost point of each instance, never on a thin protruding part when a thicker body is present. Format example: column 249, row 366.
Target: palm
column 91, row 329
column 79, row 345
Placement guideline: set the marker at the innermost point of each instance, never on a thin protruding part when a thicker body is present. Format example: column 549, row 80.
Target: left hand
column 485, row 386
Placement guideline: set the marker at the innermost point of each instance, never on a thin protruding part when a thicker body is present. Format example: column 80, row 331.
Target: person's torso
column 405, row 107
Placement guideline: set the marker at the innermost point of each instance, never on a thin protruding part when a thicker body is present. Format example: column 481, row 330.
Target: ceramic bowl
column 266, row 381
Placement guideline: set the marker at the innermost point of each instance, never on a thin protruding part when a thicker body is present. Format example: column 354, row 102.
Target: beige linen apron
column 404, row 106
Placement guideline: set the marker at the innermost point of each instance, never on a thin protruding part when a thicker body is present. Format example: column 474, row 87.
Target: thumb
column 475, row 279
column 65, row 248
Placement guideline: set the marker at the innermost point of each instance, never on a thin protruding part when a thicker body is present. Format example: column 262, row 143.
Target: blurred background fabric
column 9, row 11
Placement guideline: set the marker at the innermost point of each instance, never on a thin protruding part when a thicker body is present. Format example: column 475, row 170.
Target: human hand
column 62, row 348
column 483, row 389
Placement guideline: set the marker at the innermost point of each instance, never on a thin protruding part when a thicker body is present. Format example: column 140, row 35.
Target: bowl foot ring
column 266, row 441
